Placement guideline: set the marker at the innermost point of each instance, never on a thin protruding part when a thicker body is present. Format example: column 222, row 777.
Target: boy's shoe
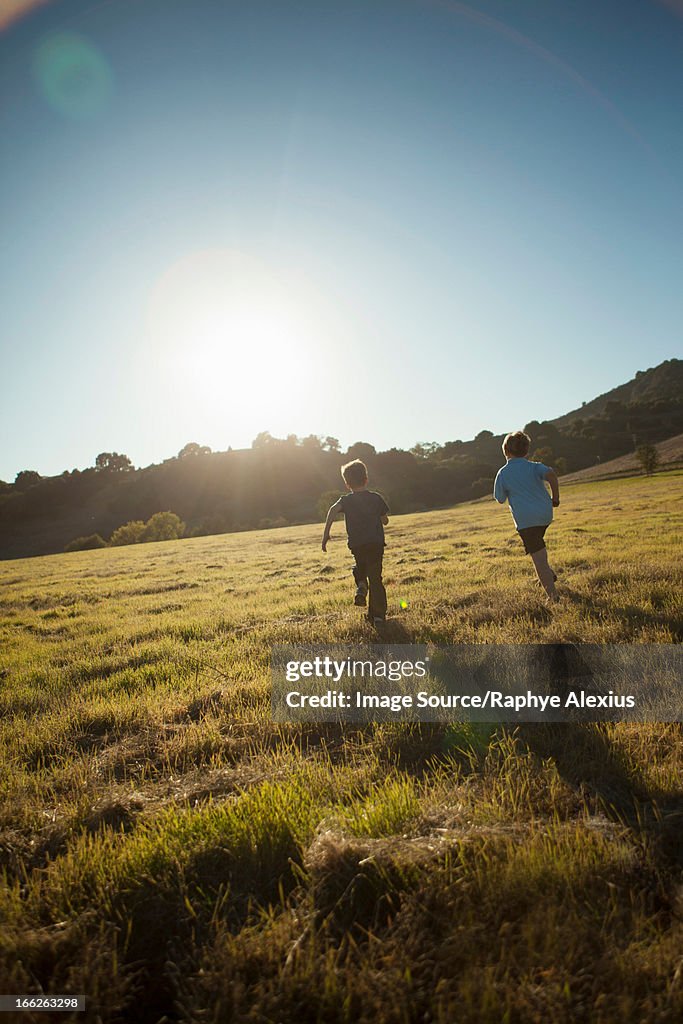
column 361, row 595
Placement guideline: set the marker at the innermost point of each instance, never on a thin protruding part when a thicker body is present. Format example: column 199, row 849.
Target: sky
column 381, row 220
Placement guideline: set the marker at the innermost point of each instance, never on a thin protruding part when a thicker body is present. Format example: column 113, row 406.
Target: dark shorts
column 532, row 538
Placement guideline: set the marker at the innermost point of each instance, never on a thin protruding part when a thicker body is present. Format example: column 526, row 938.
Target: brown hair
column 517, row 444
column 355, row 473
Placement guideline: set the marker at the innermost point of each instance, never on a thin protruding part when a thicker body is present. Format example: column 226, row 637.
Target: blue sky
column 385, row 221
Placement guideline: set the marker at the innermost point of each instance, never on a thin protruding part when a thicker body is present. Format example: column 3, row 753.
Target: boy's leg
column 378, row 596
column 544, row 572
column 360, row 575
column 534, row 544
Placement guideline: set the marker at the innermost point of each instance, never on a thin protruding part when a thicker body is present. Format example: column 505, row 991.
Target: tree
column 544, row 454
column 26, row 478
column 312, row 442
column 424, row 449
column 163, row 526
column 648, row 457
column 360, row 450
column 192, row 448
column 129, row 533
column 160, row 526
column 331, row 444
column 484, row 435
column 263, row 439
column 112, row 462
column 450, row 448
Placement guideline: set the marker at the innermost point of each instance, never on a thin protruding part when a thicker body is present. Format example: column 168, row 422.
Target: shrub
column 86, row 543
column 163, row 526
column 129, row 533
column 160, row 526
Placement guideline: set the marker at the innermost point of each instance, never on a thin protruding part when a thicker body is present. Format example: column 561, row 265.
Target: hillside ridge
column 294, row 480
column 662, row 381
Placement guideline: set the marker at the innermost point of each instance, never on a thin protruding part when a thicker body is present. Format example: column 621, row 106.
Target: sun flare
column 222, row 324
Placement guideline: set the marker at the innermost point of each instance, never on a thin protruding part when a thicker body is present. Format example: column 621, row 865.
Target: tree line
column 281, row 481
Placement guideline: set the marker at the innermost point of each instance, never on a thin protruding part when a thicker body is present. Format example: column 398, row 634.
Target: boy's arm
column 499, row 492
column 551, row 477
column 385, row 520
column 333, row 511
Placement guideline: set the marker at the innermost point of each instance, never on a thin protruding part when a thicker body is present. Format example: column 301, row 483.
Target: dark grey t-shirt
column 363, row 511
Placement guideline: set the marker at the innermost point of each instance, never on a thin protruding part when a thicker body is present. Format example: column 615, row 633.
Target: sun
column 223, row 326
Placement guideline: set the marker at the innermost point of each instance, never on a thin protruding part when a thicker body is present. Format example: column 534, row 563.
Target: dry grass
column 168, row 849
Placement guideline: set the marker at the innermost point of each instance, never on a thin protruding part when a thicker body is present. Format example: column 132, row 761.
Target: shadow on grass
column 631, row 615
column 395, row 632
column 586, row 758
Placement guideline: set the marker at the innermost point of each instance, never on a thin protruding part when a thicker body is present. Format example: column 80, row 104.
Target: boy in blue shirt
column 366, row 515
column 522, row 483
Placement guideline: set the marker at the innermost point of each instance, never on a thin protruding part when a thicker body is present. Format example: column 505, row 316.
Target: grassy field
column 170, row 851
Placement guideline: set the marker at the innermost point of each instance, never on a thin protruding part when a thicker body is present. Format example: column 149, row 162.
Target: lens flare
column 72, row 76
column 13, row 10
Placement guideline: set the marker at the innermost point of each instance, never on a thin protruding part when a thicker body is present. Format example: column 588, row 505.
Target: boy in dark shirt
column 366, row 515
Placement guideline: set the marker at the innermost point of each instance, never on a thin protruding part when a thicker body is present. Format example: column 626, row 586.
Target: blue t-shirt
column 521, row 482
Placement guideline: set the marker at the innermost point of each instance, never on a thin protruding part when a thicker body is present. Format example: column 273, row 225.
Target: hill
column 661, row 382
column 293, row 480
column 670, row 455
column 173, row 853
